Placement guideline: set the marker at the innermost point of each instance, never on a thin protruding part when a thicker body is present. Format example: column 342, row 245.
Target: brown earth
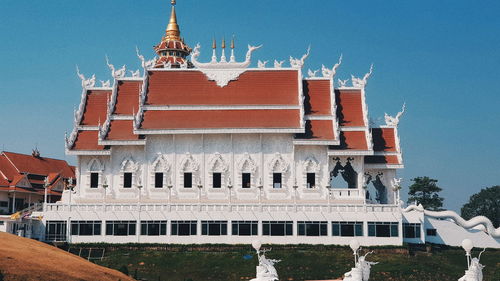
column 23, row 259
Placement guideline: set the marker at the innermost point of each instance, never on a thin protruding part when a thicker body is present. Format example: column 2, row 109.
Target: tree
column 484, row 203
column 425, row 191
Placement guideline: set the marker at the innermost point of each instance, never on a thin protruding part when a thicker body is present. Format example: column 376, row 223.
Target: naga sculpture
column 265, row 269
column 361, row 82
column 261, row 64
column 312, row 73
column 86, row 83
column 116, row 73
column 394, row 121
column 298, row 63
column 479, row 220
column 330, row 73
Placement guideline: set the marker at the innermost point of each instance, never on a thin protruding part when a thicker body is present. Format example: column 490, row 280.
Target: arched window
column 343, row 176
column 246, row 171
column 160, row 169
column 278, row 169
column 376, row 191
column 129, row 173
column 310, row 174
column 189, row 169
column 217, row 169
column 94, row 173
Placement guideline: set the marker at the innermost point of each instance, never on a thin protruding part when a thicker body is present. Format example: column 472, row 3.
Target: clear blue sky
column 441, row 57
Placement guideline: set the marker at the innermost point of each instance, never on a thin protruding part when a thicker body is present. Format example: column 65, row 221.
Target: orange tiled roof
column 317, row 99
column 87, row 140
column 384, row 139
column 349, row 108
column 321, row 130
column 95, row 107
column 382, row 159
column 121, row 130
column 217, row 119
column 351, row 140
column 252, row 88
column 127, row 99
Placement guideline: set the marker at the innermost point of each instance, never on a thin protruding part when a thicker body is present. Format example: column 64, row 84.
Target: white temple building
column 183, row 151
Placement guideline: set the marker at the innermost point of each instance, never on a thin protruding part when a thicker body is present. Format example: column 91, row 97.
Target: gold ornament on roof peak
column 223, row 43
column 232, row 42
column 173, row 32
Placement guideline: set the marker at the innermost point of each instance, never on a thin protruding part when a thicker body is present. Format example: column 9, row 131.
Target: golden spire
column 232, row 42
column 173, row 32
column 214, row 45
column 223, row 43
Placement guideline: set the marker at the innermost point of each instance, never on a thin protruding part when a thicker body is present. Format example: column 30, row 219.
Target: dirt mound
column 23, row 259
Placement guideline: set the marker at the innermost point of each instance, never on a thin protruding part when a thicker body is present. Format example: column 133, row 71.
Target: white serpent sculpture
column 479, row 220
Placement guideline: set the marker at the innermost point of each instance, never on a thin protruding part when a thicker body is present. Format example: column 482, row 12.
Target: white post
column 45, row 185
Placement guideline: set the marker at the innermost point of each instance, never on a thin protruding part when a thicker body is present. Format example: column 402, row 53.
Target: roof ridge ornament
column 278, row 64
column 86, row 83
column 330, row 73
column 311, row 73
column 361, row 83
column 298, row 63
column 116, row 73
column 144, row 63
column 222, row 72
column 394, row 121
column 262, row 64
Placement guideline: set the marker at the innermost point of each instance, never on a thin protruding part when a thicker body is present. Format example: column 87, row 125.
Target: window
column 158, row 180
column 411, row 230
column 153, row 228
column 347, row 228
column 120, row 228
column 244, row 228
column 214, row 228
column 4, row 204
column 311, row 180
column 183, row 228
column 277, row 228
column 127, row 180
column 312, row 228
column 86, row 228
column 55, row 231
column 217, row 180
column 188, row 180
column 246, row 180
column 276, row 180
column 94, row 180
column 383, row 229
column 431, row 232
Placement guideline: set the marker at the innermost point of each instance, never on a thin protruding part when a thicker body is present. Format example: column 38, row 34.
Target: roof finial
column 223, row 43
column 214, row 44
column 173, row 31
column 232, row 42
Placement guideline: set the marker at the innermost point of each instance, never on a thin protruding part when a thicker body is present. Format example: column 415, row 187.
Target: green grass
column 299, row 262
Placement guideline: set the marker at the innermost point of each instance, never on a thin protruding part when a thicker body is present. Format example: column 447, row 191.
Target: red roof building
column 23, row 179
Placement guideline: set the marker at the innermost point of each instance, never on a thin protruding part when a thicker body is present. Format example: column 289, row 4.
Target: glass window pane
column 245, row 178
column 158, row 180
column 127, row 180
column 217, row 180
column 188, row 180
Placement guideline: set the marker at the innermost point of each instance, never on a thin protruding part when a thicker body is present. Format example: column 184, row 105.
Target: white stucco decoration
column 312, row 73
column 116, row 73
column 105, row 84
column 278, row 164
column 86, row 83
column 95, row 165
column 222, row 72
column 298, row 63
column 217, row 164
column 261, row 64
column 278, row 64
column 311, row 165
column 394, row 121
column 361, row 82
column 246, row 164
column 146, row 64
column 361, row 271
column 396, row 183
column 475, row 221
column 128, row 165
column 189, row 164
column 160, row 164
column 343, row 83
column 330, row 73
column 135, row 74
